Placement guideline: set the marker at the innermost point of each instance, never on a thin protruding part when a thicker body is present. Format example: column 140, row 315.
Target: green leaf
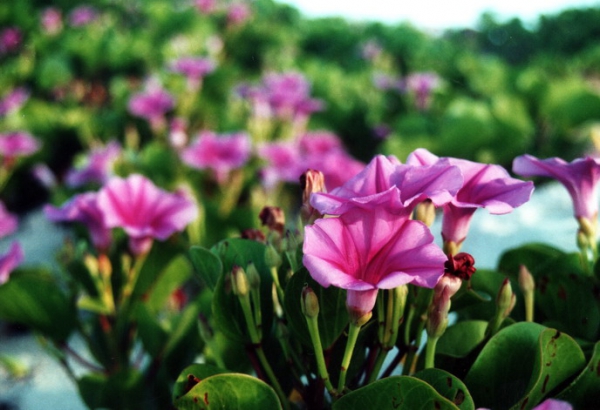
column 397, row 392
column 152, row 334
column 118, row 391
column 229, row 391
column 521, row 364
column 170, row 279
column 461, row 338
column 532, row 255
column 199, row 371
column 208, row 266
column 34, row 299
column 449, row 386
column 558, row 359
column 584, row 391
column 333, row 315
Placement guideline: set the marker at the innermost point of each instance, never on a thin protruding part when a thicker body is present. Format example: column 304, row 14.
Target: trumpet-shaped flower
column 9, row 261
column 98, row 166
column 151, row 105
column 367, row 249
column 384, row 181
column 580, row 177
column 83, row 208
column 485, row 186
column 220, row 153
column 144, row 211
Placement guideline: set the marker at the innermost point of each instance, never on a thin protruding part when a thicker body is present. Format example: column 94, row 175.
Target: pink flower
column 151, row 105
column 83, row 208
column 178, row 137
column 13, row 101
column 237, row 13
column 367, row 249
column 9, row 261
column 420, row 85
column 206, row 6
column 220, row 153
column 98, row 167
column 194, row 68
column 485, row 186
column 144, row 211
column 549, row 404
column 17, row 144
column 580, row 177
column 82, row 15
column 52, row 20
column 384, row 181
column 8, row 222
column 371, row 50
column 10, row 40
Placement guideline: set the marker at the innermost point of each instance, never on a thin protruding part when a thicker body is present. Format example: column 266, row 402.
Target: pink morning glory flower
column 13, row 101
column 485, row 186
column 82, row 15
column 9, row 261
column 144, row 211
column 194, row 68
column 18, row 144
column 385, row 181
column 8, row 222
column 52, row 20
column 83, row 208
column 206, row 6
column 237, row 13
column 549, row 404
column 10, row 40
column 580, row 177
column 97, row 168
column 367, row 249
column 420, row 85
column 220, row 153
column 151, row 105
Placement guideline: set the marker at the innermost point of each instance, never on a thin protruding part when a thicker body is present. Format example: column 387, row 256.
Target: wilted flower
column 52, row 20
column 384, row 181
column 367, row 249
column 144, row 211
column 9, row 261
column 152, row 104
column 8, row 222
column 97, row 168
column 194, row 68
column 13, row 101
column 10, row 40
column 82, row 15
column 237, row 13
column 18, row 144
column 220, row 153
column 485, row 186
column 83, row 208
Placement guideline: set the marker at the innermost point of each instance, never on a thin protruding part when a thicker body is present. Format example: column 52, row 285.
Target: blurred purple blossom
column 18, row 144
column 194, row 68
column 13, row 100
column 52, row 20
column 97, row 167
column 10, row 40
column 8, row 222
column 386, row 82
column 178, row 137
column 421, row 85
column 151, row 104
column 44, row 175
column 206, row 6
column 370, row 50
column 9, row 261
column 82, row 15
column 238, row 13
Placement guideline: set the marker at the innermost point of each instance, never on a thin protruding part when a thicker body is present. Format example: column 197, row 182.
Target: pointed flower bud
column 273, row 218
column 309, row 302
column 506, row 299
column 239, row 281
column 312, row 181
column 526, row 282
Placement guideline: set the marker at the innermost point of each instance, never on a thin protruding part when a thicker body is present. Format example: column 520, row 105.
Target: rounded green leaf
column 584, row 391
column 397, row 392
column 460, row 339
column 229, row 391
column 188, row 376
column 449, row 386
column 208, row 266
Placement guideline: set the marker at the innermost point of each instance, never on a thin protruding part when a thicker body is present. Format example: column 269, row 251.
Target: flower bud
column 526, row 282
column 425, row 212
column 239, row 281
column 309, row 302
column 312, row 181
column 506, row 299
column 437, row 315
column 273, row 218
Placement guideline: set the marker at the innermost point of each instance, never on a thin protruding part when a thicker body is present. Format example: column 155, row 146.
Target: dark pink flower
column 284, row 163
column 18, row 144
column 83, row 208
column 220, row 153
column 386, row 182
column 9, row 261
column 194, row 68
column 97, row 168
column 367, row 249
column 151, row 105
column 13, row 101
column 144, row 211
column 8, row 222
column 485, row 186
column 10, row 40
column 82, row 15
column 52, row 20
column 237, row 13
column 580, row 177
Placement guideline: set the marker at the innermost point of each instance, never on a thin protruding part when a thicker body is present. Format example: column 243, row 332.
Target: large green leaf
column 449, row 386
column 461, row 338
column 207, row 265
column 229, row 391
column 397, row 392
column 533, row 255
column 333, row 316
column 122, row 390
column 34, row 299
column 584, row 391
column 191, row 375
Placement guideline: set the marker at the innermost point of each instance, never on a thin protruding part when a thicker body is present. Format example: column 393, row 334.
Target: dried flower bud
column 239, row 281
column 309, row 302
column 461, row 265
column 273, row 218
column 254, row 235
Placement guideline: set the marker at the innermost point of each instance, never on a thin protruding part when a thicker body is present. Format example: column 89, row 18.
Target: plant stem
column 430, row 352
column 313, row 330
column 353, row 331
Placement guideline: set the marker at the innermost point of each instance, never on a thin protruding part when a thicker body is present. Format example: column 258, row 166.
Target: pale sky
column 435, row 14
